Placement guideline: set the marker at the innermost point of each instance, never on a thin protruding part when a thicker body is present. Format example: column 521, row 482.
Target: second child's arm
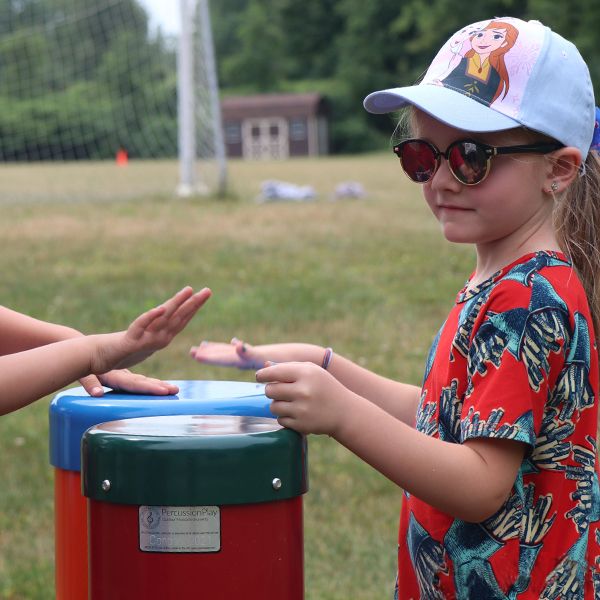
column 31, row 374
column 21, row 332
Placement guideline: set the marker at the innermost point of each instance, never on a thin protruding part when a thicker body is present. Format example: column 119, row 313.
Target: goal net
column 89, row 86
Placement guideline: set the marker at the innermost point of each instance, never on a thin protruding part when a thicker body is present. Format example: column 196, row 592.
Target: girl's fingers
column 146, row 319
column 190, row 307
column 212, row 353
column 280, row 372
column 280, row 408
column 174, row 303
column 126, row 381
column 283, row 412
column 240, row 347
column 176, row 312
column 225, row 355
column 247, row 355
column 280, row 392
column 286, row 422
column 91, row 384
column 196, row 351
column 140, row 384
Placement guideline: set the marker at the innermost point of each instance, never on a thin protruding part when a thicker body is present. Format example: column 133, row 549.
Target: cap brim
column 444, row 104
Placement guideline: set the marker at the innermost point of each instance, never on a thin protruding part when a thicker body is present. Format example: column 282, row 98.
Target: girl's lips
column 452, row 207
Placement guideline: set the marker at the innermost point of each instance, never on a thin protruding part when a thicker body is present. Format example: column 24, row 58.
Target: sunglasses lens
column 468, row 161
column 418, row 160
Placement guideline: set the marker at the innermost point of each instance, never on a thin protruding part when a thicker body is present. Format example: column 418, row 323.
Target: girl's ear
column 563, row 167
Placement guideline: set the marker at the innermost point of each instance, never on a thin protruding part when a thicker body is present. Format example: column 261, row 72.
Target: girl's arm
column 21, row 332
column 398, row 399
column 28, row 375
column 469, row 481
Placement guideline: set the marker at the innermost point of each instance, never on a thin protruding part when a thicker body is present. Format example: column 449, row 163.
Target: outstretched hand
column 151, row 331
column 236, row 354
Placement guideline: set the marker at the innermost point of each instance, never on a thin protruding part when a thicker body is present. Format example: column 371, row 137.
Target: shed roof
column 280, row 105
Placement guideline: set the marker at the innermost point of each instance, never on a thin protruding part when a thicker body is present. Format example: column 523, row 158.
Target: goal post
column 91, row 83
column 200, row 132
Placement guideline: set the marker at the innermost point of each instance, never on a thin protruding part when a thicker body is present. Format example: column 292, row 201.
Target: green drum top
column 193, row 460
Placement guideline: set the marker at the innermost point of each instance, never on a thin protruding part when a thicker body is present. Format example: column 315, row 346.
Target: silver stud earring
column 554, row 186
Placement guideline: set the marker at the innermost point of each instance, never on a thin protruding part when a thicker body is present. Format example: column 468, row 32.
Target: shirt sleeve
column 515, row 357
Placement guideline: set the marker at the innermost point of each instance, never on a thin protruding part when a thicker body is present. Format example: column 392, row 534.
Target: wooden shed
column 272, row 126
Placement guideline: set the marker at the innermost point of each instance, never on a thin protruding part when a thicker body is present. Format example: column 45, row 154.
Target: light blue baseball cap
column 500, row 74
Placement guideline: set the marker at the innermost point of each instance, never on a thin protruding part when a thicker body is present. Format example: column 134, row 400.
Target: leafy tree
column 259, row 58
column 21, row 53
column 310, row 29
column 227, row 17
column 113, row 78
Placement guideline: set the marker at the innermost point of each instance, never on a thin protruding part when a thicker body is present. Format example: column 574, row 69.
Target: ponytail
column 577, row 225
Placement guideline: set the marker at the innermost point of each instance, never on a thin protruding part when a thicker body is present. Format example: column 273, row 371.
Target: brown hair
column 576, row 222
column 577, row 226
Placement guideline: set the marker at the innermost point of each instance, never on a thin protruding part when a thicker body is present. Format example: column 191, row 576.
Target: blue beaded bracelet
column 327, row 358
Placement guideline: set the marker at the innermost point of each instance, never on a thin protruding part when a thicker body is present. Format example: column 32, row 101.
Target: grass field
column 370, row 277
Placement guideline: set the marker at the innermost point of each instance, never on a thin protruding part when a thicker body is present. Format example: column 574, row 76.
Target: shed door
column 265, row 138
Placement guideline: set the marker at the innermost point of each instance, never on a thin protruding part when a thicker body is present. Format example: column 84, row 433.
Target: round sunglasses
column 468, row 160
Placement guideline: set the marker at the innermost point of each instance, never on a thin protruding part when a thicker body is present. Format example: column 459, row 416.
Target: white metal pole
column 186, row 102
column 213, row 88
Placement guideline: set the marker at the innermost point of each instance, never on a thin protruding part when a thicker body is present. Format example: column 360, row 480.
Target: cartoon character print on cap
column 488, row 62
column 482, row 71
column 460, row 43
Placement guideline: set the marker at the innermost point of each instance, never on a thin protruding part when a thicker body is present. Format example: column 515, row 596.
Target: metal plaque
column 180, row 528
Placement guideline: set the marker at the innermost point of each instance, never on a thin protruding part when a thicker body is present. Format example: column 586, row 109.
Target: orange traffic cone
column 122, row 157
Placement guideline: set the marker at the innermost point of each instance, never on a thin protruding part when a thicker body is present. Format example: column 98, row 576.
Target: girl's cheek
column 428, row 196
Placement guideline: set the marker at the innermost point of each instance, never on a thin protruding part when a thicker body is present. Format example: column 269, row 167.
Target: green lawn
column 370, row 277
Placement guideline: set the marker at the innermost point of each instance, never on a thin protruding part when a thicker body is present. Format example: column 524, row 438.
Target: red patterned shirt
column 516, row 359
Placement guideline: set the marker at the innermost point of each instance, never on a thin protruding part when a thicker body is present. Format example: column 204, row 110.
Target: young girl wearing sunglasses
column 496, row 451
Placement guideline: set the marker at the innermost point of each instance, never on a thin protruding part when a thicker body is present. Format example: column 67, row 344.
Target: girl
column 38, row 358
column 496, row 451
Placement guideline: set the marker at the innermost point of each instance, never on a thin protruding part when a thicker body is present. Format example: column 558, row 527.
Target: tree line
column 346, row 49
column 101, row 79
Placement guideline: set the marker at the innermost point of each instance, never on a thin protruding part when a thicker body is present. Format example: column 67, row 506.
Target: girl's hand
column 236, row 354
column 305, row 396
column 124, row 380
column 150, row 332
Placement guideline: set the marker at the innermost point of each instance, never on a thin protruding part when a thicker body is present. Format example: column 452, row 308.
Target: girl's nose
column 443, row 178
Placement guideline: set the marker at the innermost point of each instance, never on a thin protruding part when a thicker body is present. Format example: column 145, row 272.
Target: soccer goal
column 88, row 86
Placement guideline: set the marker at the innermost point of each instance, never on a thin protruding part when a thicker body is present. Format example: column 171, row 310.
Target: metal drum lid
column 193, row 460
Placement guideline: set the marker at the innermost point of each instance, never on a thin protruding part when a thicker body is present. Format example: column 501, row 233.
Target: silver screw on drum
column 276, row 483
column 105, row 485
